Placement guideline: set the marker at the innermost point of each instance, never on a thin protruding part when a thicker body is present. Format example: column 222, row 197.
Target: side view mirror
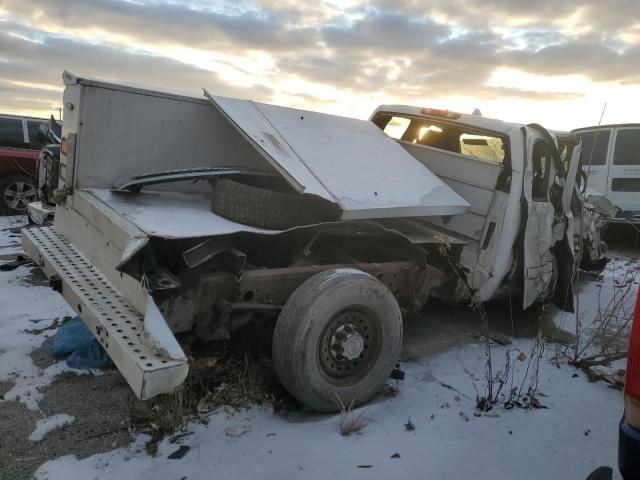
column 55, row 130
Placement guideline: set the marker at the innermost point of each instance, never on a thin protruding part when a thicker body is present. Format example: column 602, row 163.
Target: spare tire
column 265, row 208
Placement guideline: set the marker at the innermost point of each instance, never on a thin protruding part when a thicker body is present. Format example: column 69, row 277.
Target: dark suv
column 19, row 150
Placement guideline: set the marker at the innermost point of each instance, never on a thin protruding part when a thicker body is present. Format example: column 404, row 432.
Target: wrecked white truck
column 182, row 214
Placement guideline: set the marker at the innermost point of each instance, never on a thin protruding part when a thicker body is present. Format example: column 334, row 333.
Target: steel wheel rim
column 349, row 346
column 19, row 194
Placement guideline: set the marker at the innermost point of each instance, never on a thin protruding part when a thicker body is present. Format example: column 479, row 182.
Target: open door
column 564, row 251
column 538, row 238
column 349, row 162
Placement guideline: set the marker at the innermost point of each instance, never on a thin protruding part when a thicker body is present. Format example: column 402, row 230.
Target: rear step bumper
column 113, row 321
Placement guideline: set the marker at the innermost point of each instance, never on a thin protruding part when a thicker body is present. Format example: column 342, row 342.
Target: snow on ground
column 48, row 424
column 10, row 243
column 605, row 304
column 575, row 433
column 24, row 307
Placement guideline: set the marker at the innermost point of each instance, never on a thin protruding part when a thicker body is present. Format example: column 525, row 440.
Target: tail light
column 632, row 380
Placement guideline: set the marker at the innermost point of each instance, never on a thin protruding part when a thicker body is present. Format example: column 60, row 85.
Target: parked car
column 611, row 160
column 19, row 150
column 42, row 211
column 629, row 437
column 183, row 214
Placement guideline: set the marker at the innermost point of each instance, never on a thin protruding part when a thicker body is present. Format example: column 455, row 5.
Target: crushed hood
column 347, row 161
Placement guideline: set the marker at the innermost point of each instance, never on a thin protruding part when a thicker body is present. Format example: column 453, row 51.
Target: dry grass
column 350, row 421
column 235, row 374
column 499, row 385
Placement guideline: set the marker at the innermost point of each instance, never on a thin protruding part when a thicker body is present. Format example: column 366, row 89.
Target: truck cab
column 520, row 182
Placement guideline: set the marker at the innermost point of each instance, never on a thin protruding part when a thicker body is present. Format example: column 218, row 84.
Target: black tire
column 306, row 356
column 265, row 208
column 16, row 192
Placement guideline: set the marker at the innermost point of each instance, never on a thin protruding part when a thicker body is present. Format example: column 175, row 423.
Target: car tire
column 16, row 192
column 337, row 339
column 266, row 208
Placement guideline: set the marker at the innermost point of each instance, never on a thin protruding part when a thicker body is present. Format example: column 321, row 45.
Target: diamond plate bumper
column 112, row 320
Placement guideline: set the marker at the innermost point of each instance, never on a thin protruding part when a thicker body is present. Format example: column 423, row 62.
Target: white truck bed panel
column 171, row 214
column 347, row 161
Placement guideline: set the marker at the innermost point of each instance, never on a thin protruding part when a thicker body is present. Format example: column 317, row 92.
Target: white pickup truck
column 184, row 214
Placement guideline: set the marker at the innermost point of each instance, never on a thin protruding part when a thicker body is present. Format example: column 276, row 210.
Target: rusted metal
column 266, row 290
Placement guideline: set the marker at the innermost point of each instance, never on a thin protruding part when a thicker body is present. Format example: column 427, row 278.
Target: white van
column 611, row 160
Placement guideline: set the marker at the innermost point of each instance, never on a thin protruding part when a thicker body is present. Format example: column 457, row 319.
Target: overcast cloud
column 343, row 57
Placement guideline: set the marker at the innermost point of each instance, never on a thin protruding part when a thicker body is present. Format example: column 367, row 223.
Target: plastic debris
column 82, row 350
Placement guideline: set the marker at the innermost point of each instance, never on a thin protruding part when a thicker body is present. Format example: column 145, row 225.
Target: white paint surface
column 344, row 160
column 48, row 424
column 171, row 214
column 157, row 334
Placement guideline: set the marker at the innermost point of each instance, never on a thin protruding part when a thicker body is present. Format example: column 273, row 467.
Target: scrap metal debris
column 179, row 453
column 20, row 260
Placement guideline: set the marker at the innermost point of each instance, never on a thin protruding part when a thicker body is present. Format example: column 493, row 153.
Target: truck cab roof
column 478, row 121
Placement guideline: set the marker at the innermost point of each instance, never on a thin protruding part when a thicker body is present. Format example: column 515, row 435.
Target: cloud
column 25, row 64
column 167, row 23
column 386, row 31
column 512, row 92
column 610, row 17
column 586, row 55
column 397, row 50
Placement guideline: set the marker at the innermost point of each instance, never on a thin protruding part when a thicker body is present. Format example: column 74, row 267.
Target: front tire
column 337, row 339
column 16, row 192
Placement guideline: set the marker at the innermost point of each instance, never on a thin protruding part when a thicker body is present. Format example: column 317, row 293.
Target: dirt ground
column 107, row 413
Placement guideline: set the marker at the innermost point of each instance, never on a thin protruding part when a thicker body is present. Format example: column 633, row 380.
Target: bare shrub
column 350, row 421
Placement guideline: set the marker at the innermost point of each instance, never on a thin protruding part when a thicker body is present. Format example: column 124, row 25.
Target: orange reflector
column 64, row 146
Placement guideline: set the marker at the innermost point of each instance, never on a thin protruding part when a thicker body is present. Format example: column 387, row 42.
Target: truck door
column 538, row 216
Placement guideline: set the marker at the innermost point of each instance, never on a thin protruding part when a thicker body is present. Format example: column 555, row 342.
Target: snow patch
column 48, row 424
column 23, row 307
column 573, row 435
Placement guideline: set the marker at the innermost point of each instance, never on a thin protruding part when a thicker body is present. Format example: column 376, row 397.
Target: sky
column 554, row 62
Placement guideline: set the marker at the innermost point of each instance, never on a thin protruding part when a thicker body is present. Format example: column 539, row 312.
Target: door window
column 32, row 128
column 627, row 149
column 457, row 138
column 540, row 164
column 594, row 147
column 483, row 147
column 396, row 127
column 11, row 133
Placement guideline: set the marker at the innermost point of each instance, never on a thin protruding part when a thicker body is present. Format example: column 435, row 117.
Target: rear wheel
column 337, row 339
column 16, row 192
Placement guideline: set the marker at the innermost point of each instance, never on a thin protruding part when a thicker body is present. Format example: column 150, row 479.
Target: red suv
column 19, row 152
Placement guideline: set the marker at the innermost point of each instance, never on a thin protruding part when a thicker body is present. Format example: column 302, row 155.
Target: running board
column 113, row 321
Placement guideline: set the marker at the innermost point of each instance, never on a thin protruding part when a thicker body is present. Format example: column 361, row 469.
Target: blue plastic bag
column 83, row 351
